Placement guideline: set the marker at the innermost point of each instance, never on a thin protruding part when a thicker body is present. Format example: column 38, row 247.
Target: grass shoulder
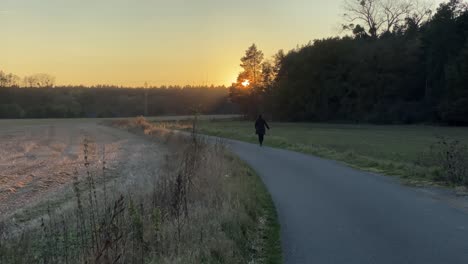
column 413, row 153
column 268, row 244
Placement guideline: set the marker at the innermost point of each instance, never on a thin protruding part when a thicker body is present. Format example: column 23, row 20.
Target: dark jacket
column 260, row 125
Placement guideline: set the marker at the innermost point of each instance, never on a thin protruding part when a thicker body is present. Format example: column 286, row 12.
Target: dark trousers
column 260, row 138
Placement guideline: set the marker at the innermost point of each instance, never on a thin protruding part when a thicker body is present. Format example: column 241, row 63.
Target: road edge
column 268, row 229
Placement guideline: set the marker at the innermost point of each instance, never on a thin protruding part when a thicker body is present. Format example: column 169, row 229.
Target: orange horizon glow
column 128, row 43
column 179, row 42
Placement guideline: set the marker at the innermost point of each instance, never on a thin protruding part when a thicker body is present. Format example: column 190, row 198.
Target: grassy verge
column 268, row 243
column 393, row 150
column 204, row 206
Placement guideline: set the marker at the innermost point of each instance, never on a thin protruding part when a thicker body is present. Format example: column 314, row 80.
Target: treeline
column 37, row 80
column 414, row 70
column 109, row 101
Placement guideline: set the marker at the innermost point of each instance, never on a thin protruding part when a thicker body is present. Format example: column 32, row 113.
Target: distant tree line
column 112, row 101
column 38, row 80
column 402, row 64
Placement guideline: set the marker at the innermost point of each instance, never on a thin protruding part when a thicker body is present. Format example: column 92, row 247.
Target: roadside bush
column 56, row 111
column 36, row 112
column 455, row 112
column 398, row 113
column 11, row 111
column 451, row 157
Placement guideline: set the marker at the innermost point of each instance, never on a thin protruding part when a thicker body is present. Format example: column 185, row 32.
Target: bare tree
column 421, row 11
column 28, row 81
column 8, row 80
column 39, row 80
column 395, row 12
column 3, row 79
column 367, row 12
column 380, row 16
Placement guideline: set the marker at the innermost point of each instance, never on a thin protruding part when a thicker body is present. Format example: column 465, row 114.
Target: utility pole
column 146, row 99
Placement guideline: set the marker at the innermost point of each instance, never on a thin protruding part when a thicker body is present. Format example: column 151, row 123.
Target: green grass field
column 392, row 150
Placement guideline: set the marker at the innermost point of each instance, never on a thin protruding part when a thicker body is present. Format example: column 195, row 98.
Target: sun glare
column 245, row 83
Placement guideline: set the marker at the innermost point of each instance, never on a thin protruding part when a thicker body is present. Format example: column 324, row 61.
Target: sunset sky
column 129, row 42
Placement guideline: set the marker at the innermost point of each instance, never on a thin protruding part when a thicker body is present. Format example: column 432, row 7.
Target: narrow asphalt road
column 330, row 213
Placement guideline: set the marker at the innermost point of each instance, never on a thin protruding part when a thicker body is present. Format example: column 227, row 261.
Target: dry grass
column 204, row 206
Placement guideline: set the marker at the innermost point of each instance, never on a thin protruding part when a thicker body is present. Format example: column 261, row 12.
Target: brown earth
column 39, row 158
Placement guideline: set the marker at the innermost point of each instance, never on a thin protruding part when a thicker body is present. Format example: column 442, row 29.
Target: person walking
column 260, row 130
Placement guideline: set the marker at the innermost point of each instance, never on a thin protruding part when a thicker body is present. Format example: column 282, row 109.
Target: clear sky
column 128, row 42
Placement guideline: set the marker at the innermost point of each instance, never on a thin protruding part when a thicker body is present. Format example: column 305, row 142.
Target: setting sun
column 245, row 83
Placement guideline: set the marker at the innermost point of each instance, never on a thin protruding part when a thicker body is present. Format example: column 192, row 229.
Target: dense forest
column 108, row 101
column 404, row 64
